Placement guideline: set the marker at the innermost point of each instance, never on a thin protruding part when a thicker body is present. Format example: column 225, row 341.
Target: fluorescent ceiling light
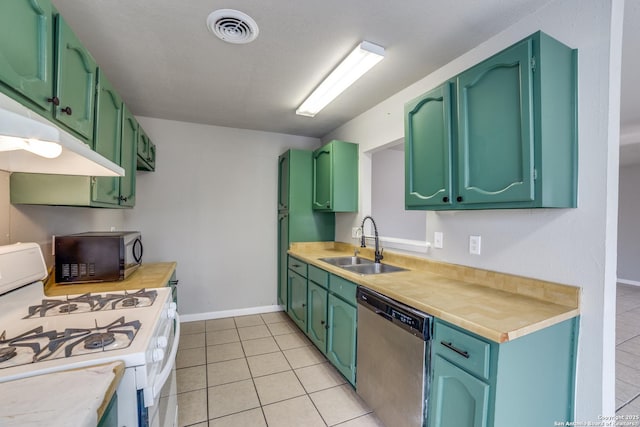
column 359, row 61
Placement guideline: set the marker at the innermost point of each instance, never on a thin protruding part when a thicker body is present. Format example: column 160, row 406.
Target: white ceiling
column 163, row 61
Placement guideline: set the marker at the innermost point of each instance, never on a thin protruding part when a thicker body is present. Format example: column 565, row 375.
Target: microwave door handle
column 137, row 258
column 171, row 361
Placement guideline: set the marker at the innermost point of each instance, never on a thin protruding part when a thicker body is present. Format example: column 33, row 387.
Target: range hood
column 30, row 143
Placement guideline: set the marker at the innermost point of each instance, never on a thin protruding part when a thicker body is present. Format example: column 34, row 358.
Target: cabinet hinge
column 532, row 62
column 535, row 174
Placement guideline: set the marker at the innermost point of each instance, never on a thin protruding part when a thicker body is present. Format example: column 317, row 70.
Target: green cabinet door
column 75, row 82
column 457, row 398
column 428, row 149
column 26, row 52
column 335, row 177
column 107, row 139
column 495, row 129
column 146, row 152
column 110, row 415
column 128, row 158
column 298, row 299
column 283, row 181
column 322, row 179
column 283, row 247
column 317, row 315
column 341, row 336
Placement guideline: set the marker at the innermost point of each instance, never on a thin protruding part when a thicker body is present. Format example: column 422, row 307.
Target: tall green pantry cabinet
column 297, row 221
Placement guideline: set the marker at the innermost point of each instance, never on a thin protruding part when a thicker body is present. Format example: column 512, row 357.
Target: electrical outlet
column 475, row 245
column 356, row 232
column 437, row 239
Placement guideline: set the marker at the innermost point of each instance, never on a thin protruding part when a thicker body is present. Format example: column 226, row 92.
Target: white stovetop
column 14, row 306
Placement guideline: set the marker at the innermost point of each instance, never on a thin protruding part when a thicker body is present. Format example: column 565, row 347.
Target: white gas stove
column 40, row 335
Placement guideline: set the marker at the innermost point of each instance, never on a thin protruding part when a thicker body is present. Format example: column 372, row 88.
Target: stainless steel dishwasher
column 393, row 359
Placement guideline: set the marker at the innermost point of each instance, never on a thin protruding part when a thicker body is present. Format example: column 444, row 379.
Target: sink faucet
column 378, row 252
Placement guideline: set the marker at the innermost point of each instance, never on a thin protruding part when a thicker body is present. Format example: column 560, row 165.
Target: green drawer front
column 319, row 276
column 298, row 266
column 343, row 288
column 450, row 343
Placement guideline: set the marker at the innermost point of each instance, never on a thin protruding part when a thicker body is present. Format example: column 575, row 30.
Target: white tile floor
column 260, row 370
column 628, row 350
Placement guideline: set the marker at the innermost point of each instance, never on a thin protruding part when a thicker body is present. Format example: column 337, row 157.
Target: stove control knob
column 162, row 342
column 171, row 311
column 157, row 355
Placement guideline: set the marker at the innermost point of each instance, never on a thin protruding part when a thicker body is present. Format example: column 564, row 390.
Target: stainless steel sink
column 373, row 268
column 361, row 265
column 343, row 261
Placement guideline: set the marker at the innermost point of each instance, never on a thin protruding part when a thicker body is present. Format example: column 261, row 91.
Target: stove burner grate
column 99, row 340
column 90, row 302
column 130, row 302
column 68, row 308
column 7, row 353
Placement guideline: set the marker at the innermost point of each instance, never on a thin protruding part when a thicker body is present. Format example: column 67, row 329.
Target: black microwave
column 97, row 256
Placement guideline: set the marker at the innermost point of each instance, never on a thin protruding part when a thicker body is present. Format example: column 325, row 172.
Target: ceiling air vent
column 232, row 26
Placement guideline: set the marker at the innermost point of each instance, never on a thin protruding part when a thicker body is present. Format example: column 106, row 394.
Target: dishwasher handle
column 383, row 314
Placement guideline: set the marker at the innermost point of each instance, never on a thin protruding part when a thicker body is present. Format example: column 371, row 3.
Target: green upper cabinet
column 26, row 52
column 500, row 135
column 146, row 157
column 76, row 73
column 107, row 138
column 428, row 149
column 128, row 158
column 114, row 138
column 495, row 129
column 283, row 181
column 335, row 177
column 297, row 221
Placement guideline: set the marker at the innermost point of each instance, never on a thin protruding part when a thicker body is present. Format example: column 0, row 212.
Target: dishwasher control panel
column 409, row 319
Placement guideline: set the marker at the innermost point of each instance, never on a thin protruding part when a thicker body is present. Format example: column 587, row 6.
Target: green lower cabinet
column 528, row 382
column 298, row 299
column 317, row 315
column 341, row 336
column 110, row 416
column 457, row 398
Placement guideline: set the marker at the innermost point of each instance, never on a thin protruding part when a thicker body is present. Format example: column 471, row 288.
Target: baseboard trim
column 230, row 313
column 629, row 282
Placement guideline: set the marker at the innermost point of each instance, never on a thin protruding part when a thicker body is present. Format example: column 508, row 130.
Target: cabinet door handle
column 304, row 305
column 450, row 346
column 445, row 199
column 54, row 100
column 295, row 265
column 459, row 198
column 66, row 110
column 322, row 322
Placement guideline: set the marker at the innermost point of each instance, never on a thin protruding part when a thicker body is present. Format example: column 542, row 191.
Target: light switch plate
column 475, row 245
column 438, row 239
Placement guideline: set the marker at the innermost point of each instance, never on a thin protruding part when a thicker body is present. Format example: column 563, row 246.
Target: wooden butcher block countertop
column 497, row 306
column 152, row 275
